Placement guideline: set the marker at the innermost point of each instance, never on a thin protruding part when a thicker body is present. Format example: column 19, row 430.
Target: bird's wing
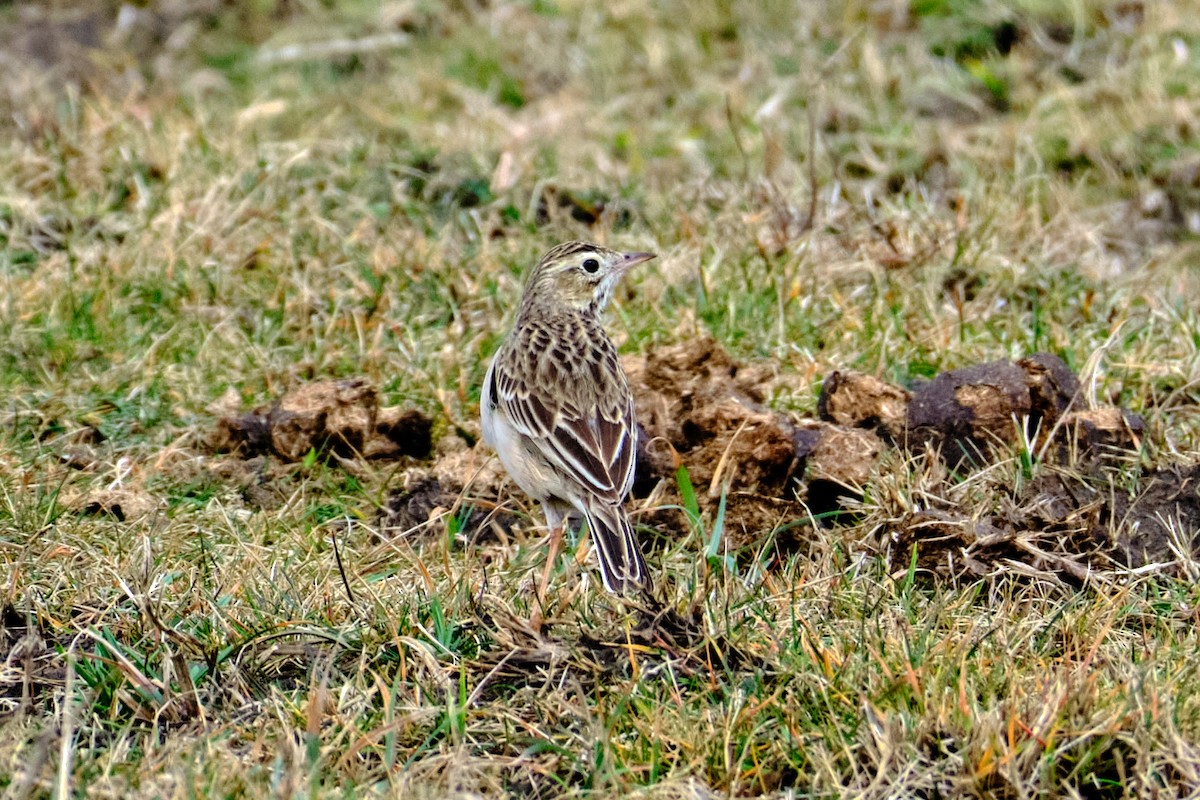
column 586, row 431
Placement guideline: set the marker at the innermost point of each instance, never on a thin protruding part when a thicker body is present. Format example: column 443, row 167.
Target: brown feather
column 565, row 404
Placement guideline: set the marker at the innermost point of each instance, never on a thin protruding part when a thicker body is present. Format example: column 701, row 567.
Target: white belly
column 523, row 459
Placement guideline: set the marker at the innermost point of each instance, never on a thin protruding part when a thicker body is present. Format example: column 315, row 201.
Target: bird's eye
column 591, row 264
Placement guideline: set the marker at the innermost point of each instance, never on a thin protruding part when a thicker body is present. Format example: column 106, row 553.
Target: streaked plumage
column 557, row 409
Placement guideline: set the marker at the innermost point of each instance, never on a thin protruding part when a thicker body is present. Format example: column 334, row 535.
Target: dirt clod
column 460, row 477
column 839, row 463
column 655, row 459
column 1053, row 387
column 702, row 410
column 424, row 506
column 694, row 398
column 248, row 433
column 343, row 417
column 1106, row 433
column 338, row 415
column 857, row 400
column 414, row 506
column 669, row 381
column 963, row 413
column 459, row 466
column 1161, row 523
column 844, row 455
column 400, row 432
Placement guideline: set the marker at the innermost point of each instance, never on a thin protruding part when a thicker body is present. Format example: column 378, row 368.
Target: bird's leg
column 556, row 534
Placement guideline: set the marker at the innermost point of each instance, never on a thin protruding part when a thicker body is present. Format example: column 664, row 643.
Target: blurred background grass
column 237, row 195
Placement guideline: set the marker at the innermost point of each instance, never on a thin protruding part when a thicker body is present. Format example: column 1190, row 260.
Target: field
column 254, row 258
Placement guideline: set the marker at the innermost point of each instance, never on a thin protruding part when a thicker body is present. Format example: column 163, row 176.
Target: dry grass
column 217, row 205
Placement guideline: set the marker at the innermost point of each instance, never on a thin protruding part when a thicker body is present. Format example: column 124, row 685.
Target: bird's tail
column 621, row 564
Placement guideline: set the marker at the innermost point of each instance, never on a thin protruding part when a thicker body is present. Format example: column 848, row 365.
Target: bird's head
column 580, row 275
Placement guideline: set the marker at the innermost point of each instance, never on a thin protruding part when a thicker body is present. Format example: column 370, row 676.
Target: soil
column 702, row 411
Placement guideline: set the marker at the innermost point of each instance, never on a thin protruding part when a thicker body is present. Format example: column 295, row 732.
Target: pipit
column 557, row 409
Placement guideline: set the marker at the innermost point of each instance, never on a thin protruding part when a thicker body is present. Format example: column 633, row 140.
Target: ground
column 918, row 371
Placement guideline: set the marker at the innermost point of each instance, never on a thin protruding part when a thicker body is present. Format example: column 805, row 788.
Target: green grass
column 183, row 222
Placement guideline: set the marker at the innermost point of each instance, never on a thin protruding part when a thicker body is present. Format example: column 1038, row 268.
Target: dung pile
column 704, row 423
column 704, row 413
column 342, row 417
column 967, row 415
column 1062, row 525
column 1070, row 519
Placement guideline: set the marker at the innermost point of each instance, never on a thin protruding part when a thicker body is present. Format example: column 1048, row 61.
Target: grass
column 187, row 223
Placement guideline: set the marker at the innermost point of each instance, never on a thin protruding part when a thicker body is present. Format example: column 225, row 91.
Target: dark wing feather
column 574, row 439
column 622, row 566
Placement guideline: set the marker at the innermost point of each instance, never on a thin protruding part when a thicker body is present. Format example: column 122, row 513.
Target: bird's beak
column 630, row 259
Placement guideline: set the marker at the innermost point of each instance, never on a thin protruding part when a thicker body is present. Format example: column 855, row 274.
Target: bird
column 557, row 408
